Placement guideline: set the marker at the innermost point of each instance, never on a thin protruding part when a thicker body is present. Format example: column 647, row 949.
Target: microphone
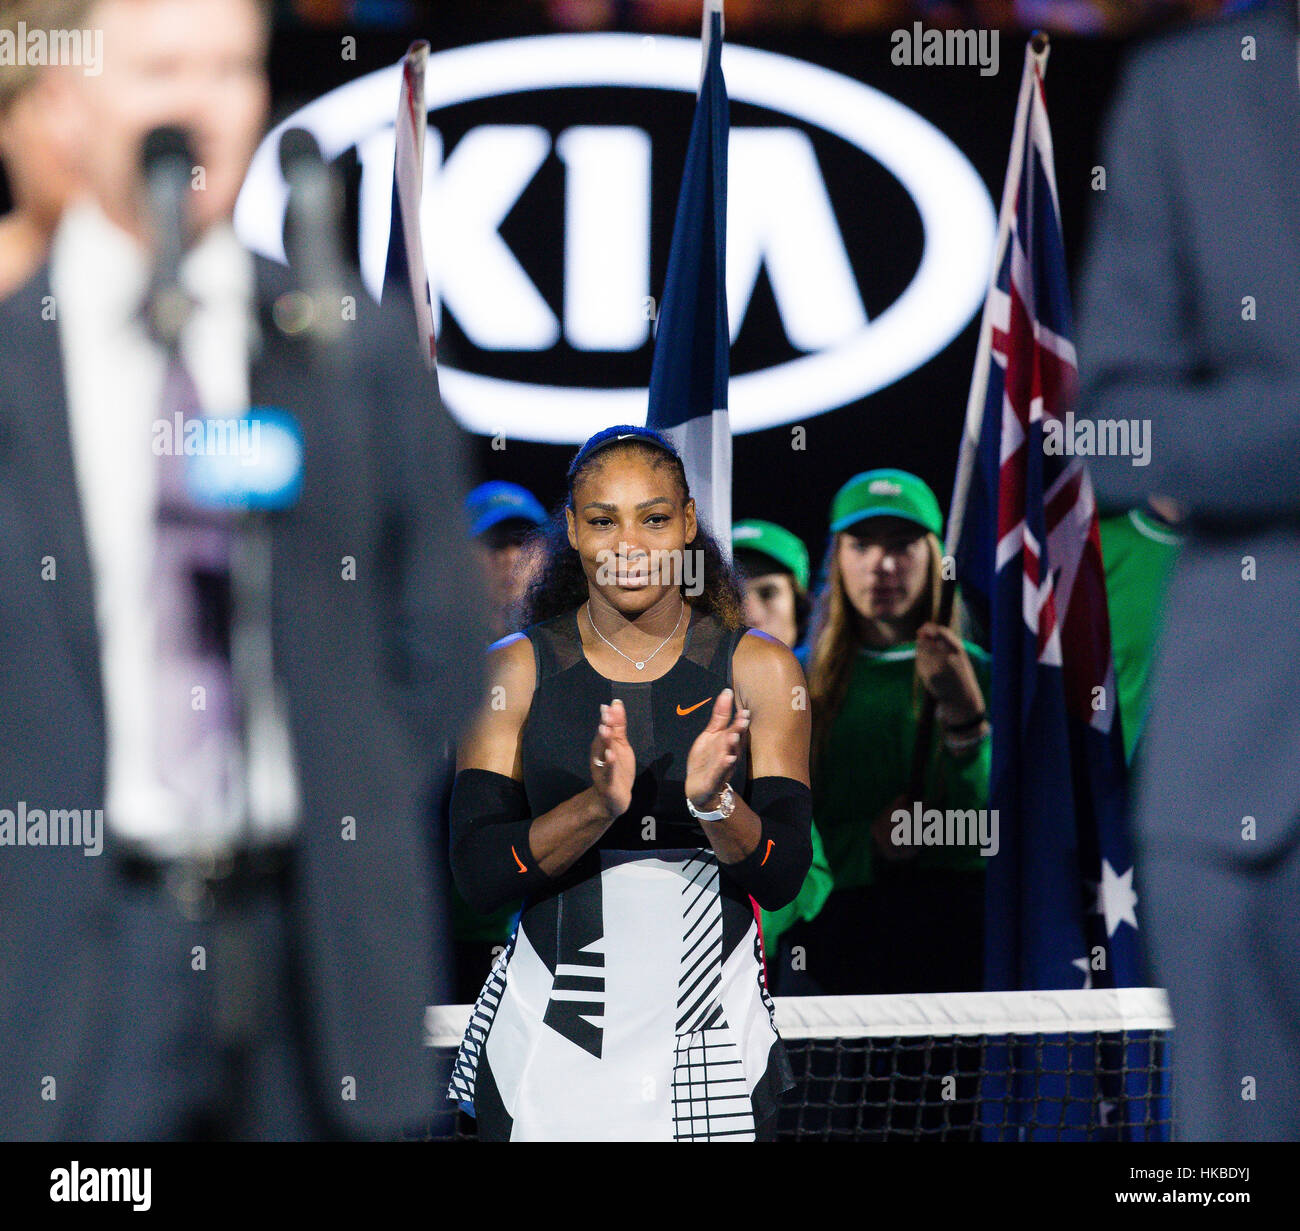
column 166, row 163
column 312, row 240
column 250, row 466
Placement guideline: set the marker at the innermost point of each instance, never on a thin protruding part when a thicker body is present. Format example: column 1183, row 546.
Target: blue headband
column 613, row 435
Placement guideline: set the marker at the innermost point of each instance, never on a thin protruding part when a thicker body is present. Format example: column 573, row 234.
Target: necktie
column 196, row 720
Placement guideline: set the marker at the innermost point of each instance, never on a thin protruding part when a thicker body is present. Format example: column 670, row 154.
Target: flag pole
column 706, row 33
column 408, row 175
column 1036, row 53
column 1035, row 70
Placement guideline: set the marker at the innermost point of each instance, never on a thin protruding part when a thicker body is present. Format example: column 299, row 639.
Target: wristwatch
column 726, row 806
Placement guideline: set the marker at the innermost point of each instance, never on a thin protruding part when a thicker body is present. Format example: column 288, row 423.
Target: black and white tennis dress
column 631, row 1001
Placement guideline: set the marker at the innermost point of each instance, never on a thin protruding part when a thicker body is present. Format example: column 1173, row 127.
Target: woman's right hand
column 613, row 780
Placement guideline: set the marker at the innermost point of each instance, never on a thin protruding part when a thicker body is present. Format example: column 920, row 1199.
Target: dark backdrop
column 915, row 423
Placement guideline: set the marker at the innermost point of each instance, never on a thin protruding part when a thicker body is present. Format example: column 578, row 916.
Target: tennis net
column 969, row 1066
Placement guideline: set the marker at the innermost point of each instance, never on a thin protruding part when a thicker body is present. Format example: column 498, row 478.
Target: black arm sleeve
column 491, row 860
column 773, row 872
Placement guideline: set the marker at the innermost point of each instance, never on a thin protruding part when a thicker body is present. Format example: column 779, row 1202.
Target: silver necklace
column 640, row 666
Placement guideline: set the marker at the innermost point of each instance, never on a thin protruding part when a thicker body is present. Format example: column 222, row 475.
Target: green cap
column 885, row 493
column 772, row 540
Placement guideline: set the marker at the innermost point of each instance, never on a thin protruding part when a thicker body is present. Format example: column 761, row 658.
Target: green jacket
column 864, row 765
column 1138, row 553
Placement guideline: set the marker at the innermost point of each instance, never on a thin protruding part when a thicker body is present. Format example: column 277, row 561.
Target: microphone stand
column 244, row 986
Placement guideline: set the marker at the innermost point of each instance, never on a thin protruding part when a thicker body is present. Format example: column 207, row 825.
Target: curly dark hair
column 559, row 583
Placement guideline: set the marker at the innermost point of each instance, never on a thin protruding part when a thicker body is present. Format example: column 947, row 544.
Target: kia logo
column 780, row 218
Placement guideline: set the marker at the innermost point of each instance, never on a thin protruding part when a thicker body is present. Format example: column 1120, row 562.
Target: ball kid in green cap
column 774, row 565
column 874, row 651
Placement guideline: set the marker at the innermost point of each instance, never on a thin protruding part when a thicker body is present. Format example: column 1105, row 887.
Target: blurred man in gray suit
column 219, row 902
column 1190, row 320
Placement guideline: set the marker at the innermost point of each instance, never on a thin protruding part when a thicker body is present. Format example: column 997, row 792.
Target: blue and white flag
column 692, row 356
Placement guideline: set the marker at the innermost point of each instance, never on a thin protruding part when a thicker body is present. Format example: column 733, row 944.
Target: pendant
column 640, row 666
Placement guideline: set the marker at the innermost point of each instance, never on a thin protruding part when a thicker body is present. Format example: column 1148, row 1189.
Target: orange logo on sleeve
column 766, row 853
column 681, row 713
column 520, row 862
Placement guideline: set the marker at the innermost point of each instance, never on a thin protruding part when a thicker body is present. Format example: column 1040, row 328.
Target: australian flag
column 692, row 355
column 1061, row 904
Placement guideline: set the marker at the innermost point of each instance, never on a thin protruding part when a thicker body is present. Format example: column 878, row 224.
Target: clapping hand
column 613, row 763
column 712, row 758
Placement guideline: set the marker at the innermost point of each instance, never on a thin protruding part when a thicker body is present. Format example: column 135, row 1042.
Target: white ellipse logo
column 956, row 213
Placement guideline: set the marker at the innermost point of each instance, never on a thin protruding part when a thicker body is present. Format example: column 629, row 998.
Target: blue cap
column 497, row 501
column 612, row 435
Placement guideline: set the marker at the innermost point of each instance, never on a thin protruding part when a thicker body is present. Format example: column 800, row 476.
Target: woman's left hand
column 713, row 755
column 946, row 672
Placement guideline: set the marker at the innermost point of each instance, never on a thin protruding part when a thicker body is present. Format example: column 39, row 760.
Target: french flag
column 692, row 354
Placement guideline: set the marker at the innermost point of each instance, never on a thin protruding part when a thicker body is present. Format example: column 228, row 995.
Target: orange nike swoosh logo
column 520, row 862
column 766, row 853
column 681, row 713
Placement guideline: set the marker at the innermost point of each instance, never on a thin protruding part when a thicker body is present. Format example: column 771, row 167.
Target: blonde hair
column 834, row 639
column 17, row 79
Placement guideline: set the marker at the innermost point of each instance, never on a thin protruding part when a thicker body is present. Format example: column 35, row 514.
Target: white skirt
column 655, row 1034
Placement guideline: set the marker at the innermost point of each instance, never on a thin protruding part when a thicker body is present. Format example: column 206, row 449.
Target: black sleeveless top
column 643, row 962
column 664, row 717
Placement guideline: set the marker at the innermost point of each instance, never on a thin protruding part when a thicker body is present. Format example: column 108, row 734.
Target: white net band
column 934, row 1014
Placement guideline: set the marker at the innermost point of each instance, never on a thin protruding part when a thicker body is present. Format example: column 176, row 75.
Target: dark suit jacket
column 378, row 672
column 1201, row 209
